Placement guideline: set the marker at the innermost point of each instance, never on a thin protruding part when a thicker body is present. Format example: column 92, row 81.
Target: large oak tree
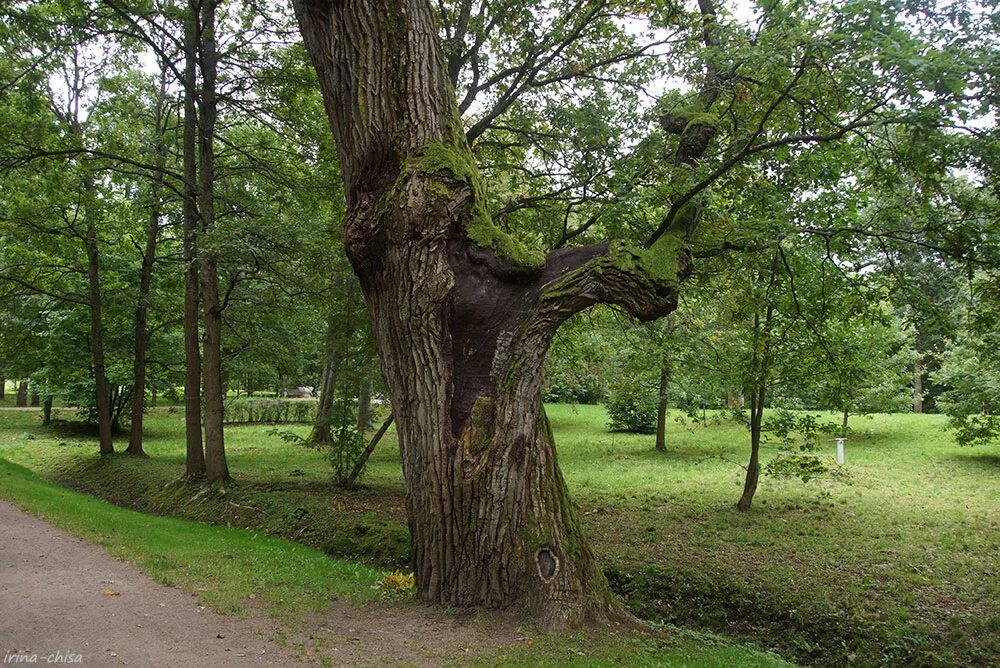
column 463, row 313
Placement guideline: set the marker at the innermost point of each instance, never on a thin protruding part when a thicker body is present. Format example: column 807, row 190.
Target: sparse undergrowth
column 894, row 564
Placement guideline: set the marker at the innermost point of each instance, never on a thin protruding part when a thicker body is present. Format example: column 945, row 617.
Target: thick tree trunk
column 195, row 452
column 216, row 467
column 918, row 386
column 661, row 409
column 97, row 344
column 22, row 395
column 462, row 318
column 47, row 410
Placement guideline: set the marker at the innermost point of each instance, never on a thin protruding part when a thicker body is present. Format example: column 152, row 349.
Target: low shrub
column 632, row 408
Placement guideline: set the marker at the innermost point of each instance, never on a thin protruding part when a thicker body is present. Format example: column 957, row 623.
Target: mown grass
column 228, row 568
column 896, row 565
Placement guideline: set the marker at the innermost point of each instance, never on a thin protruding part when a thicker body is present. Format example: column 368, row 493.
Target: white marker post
column 840, row 450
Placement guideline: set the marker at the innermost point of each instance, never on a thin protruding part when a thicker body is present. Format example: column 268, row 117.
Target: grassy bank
column 894, row 565
column 229, row 567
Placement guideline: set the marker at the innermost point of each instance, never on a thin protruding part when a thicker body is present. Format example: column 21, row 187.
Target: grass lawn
column 229, row 567
column 897, row 564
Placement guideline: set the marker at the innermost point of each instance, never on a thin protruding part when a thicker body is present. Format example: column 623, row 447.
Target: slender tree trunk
column 97, row 343
column 145, row 277
column 216, row 467
column 843, row 422
column 47, row 410
column 195, row 452
column 22, row 395
column 365, row 405
column 918, row 386
column 462, row 322
column 661, row 409
column 760, row 363
column 3, row 387
column 324, row 410
column 757, row 397
column 359, row 466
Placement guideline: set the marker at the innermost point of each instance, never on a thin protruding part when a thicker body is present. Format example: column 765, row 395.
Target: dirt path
column 63, row 598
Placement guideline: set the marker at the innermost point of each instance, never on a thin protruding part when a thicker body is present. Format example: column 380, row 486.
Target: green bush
column 270, row 411
column 632, row 408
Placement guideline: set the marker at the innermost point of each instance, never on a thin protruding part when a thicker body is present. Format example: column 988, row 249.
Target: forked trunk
column 753, row 466
column 462, row 317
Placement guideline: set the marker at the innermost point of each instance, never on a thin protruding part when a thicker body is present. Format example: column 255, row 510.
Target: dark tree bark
column 661, row 409
column 22, row 395
column 462, row 318
column 36, row 399
column 145, row 277
column 47, row 410
column 103, row 398
column 3, row 387
column 195, row 452
column 216, row 467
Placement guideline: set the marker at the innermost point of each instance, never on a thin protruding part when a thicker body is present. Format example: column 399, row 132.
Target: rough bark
column 195, row 452
column 22, row 395
column 216, row 467
column 462, row 318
